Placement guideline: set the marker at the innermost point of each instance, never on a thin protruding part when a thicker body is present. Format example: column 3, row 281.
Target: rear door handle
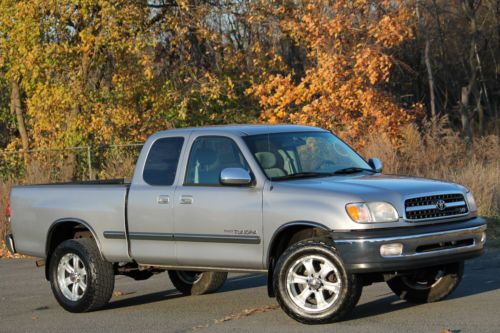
column 186, row 199
column 163, row 199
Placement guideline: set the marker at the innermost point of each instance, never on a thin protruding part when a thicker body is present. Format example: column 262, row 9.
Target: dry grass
column 118, row 165
column 4, row 193
column 437, row 152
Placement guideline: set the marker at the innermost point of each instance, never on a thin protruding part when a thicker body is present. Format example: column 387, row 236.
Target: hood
column 368, row 187
column 305, row 197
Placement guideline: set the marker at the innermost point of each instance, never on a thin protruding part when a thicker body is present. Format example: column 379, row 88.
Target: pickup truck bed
column 99, row 205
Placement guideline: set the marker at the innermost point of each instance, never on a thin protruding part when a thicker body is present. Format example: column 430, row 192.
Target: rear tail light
column 7, row 211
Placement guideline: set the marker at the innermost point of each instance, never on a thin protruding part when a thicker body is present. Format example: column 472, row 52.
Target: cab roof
column 246, row 129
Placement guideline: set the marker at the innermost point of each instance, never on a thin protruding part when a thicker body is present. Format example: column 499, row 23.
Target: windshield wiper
column 351, row 170
column 343, row 171
column 304, row 175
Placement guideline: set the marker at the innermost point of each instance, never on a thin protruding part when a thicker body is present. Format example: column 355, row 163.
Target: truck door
column 150, row 202
column 217, row 225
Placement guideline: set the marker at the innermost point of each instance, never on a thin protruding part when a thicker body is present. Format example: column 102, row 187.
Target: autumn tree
column 91, row 72
column 348, row 47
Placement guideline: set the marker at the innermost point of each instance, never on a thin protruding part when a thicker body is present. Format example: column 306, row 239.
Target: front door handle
column 163, row 199
column 186, row 199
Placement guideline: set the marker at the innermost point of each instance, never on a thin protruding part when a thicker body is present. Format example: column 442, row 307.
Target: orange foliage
column 349, row 60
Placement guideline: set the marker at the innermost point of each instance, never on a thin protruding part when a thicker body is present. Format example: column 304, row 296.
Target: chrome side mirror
column 376, row 164
column 235, row 177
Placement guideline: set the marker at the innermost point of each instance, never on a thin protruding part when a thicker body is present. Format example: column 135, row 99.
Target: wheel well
column 284, row 239
column 291, row 235
column 63, row 231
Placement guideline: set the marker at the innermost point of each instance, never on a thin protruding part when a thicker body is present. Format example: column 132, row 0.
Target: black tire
column 99, row 280
column 342, row 302
column 197, row 283
column 429, row 284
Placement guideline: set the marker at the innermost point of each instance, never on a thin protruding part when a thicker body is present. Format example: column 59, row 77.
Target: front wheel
column 80, row 279
column 197, row 283
column 429, row 284
column 312, row 285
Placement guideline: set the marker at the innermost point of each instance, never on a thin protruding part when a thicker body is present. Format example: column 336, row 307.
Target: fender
column 71, row 220
column 292, row 224
column 270, row 262
column 51, row 230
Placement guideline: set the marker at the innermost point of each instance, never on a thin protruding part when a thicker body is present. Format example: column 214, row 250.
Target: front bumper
column 423, row 246
column 9, row 240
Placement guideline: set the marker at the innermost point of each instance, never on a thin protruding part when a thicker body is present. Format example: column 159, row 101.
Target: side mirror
column 235, row 177
column 376, row 164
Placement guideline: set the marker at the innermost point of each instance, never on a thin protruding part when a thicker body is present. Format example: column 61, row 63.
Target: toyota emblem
column 440, row 205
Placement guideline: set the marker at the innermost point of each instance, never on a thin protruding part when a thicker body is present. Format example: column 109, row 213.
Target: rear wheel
column 429, row 284
column 197, row 283
column 80, row 279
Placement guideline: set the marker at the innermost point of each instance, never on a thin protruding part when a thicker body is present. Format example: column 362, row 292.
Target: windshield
column 304, row 154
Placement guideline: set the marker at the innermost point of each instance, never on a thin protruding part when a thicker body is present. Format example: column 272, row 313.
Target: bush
column 435, row 151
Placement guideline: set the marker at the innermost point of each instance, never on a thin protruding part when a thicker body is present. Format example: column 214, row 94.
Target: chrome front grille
column 435, row 207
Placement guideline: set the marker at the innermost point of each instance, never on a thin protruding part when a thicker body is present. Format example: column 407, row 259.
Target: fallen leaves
column 5, row 254
column 242, row 314
column 246, row 313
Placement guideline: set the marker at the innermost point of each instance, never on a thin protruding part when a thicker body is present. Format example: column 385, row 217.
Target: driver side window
column 209, row 156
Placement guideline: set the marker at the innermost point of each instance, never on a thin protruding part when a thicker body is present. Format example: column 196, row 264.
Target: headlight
column 372, row 212
column 471, row 202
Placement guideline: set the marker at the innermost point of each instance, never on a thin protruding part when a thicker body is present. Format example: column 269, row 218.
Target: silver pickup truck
column 294, row 202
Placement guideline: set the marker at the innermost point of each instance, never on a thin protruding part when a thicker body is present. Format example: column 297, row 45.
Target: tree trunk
column 430, row 79
column 427, row 59
column 470, row 8
column 464, row 112
column 16, row 108
column 480, row 115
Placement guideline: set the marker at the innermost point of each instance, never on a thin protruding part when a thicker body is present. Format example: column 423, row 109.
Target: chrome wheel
column 314, row 283
column 189, row 277
column 72, row 277
column 423, row 280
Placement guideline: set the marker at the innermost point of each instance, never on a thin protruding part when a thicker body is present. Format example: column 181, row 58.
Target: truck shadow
column 476, row 281
column 240, row 282
column 143, row 299
column 388, row 303
column 244, row 282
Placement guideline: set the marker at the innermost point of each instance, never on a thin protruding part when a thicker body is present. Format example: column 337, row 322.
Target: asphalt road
column 27, row 305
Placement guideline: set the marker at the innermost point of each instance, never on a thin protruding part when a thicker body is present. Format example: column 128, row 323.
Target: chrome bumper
column 420, row 248
column 444, row 242
column 9, row 240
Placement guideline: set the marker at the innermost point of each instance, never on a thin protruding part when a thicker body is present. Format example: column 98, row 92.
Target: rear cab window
column 162, row 161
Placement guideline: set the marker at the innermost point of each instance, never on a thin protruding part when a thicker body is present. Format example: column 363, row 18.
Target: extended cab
column 294, row 202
